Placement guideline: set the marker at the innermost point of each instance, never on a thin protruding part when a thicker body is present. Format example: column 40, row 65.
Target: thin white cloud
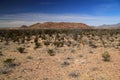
column 16, row 20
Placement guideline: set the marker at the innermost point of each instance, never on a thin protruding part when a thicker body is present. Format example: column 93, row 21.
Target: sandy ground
column 69, row 63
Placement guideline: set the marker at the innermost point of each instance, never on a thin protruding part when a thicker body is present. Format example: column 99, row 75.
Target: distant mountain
column 112, row 26
column 24, row 26
column 58, row 25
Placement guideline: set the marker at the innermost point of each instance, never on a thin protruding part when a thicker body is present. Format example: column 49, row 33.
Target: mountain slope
column 114, row 26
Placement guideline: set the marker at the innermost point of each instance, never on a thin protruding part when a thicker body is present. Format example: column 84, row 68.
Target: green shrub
column 74, row 74
column 58, row 44
column 37, row 45
column 36, row 40
column 5, row 70
column 1, row 53
column 106, row 56
column 47, row 43
column 51, row 52
column 65, row 63
column 9, row 62
column 21, row 49
column 92, row 45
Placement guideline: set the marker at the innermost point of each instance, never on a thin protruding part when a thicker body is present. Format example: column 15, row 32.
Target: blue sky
column 14, row 13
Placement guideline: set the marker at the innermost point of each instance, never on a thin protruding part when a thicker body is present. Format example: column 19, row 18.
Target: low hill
column 58, row 25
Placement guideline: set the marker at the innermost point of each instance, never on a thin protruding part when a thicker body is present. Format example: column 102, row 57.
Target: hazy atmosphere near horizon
column 14, row 13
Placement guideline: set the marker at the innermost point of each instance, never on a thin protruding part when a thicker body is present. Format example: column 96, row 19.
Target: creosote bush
column 74, row 74
column 65, row 63
column 1, row 53
column 5, row 70
column 36, row 40
column 106, row 56
column 37, row 45
column 59, row 44
column 46, row 43
column 51, row 52
column 21, row 49
column 9, row 62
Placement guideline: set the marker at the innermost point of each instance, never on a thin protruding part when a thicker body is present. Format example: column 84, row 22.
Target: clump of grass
column 21, row 49
column 51, row 52
column 106, row 56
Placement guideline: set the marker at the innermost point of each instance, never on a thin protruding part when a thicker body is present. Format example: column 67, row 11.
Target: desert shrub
column 43, row 37
column 45, row 79
column 28, row 38
column 91, row 52
column 29, row 57
column 68, row 43
column 75, row 36
column 23, row 40
column 59, row 44
column 5, row 70
column 1, row 53
column 10, row 62
column 74, row 74
column 21, row 49
column 37, row 45
column 80, row 56
column 65, row 63
column 51, row 52
column 47, row 43
column 92, row 45
column 106, row 56
column 36, row 40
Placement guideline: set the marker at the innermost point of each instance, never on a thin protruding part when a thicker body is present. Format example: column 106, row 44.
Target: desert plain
column 60, row 54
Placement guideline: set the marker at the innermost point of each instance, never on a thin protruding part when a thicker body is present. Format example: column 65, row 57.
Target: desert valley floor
column 61, row 56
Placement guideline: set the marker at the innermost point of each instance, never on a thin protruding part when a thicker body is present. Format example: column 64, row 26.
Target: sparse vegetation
column 65, row 63
column 37, row 45
column 5, row 70
column 51, row 52
column 9, row 62
column 74, row 74
column 59, row 44
column 36, row 40
column 106, row 56
column 29, row 57
column 21, row 49
column 1, row 53
column 86, row 44
column 46, row 43
column 92, row 45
